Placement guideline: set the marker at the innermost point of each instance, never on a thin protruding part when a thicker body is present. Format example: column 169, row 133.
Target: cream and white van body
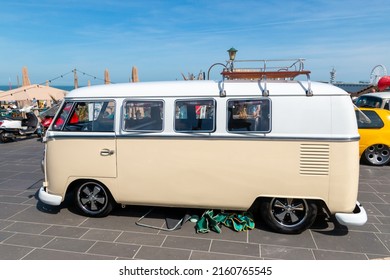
column 299, row 156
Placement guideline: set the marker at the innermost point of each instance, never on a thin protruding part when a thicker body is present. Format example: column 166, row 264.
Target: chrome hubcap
column 289, row 211
column 92, row 197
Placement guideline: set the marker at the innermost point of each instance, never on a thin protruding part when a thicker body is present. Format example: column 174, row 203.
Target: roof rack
column 267, row 70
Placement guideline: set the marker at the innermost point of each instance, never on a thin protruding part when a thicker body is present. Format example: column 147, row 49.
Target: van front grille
column 314, row 159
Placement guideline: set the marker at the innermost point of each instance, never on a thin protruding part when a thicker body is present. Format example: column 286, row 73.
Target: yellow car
column 374, row 130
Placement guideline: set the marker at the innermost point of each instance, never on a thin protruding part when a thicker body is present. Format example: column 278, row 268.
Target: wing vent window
column 314, row 159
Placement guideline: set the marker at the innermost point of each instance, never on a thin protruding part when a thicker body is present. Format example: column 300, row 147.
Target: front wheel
column 378, row 154
column 93, row 199
column 288, row 215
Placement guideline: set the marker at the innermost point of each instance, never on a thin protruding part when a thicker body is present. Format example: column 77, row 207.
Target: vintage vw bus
column 287, row 149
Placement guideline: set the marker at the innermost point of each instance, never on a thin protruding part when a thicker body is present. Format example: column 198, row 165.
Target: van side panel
column 73, row 158
column 233, row 173
column 344, row 181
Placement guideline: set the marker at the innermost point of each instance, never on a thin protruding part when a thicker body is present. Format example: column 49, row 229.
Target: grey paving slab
column 358, row 242
column 303, row 240
column 141, row 238
column 187, row 243
column 285, row 253
column 21, row 184
column 10, row 192
column 4, row 235
column 369, row 197
column 114, row 249
column 7, row 210
column 158, row 253
column 384, row 220
column 237, row 248
column 65, row 231
column 385, row 197
column 5, row 224
column 200, row 255
column 383, row 208
column 13, row 199
column 333, row 255
column 48, row 215
column 23, row 227
column 45, row 254
column 28, row 240
column 371, row 209
column 12, row 252
column 68, row 244
column 385, row 238
column 380, row 188
column 102, row 235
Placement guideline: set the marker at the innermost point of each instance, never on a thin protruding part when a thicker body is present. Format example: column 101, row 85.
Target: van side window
column 249, row 115
column 195, row 115
column 387, row 107
column 87, row 116
column 143, row 115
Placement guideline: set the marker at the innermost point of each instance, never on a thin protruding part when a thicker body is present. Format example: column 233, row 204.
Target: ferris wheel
column 376, row 73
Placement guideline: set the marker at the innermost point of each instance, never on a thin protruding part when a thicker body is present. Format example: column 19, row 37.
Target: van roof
column 384, row 94
column 205, row 88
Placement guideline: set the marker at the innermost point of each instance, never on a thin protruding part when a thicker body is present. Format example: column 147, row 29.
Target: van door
column 85, row 144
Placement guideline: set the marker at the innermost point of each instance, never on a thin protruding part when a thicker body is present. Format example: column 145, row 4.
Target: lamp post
column 229, row 64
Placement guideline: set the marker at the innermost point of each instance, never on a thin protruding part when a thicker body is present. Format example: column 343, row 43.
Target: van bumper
column 49, row 199
column 357, row 218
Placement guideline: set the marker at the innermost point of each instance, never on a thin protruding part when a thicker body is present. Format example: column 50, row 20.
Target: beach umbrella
column 134, row 75
column 106, row 77
column 26, row 80
column 76, row 79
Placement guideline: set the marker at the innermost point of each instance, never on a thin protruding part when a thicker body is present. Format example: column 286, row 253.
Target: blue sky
column 166, row 38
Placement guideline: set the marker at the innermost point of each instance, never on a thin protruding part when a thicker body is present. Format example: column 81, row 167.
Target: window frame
column 214, row 119
column 72, row 110
column 123, row 120
column 249, row 100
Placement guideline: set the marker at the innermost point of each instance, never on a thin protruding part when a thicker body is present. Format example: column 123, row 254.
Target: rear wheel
column 93, row 199
column 378, row 154
column 288, row 215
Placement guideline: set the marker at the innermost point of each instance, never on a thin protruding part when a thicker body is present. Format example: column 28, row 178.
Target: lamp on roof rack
column 232, row 53
column 232, row 56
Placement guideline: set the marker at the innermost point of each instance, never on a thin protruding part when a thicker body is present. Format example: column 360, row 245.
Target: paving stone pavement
column 30, row 230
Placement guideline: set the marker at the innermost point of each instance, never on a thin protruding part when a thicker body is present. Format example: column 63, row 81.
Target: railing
column 264, row 69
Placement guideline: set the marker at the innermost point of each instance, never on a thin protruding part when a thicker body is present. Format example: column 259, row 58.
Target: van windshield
column 86, row 116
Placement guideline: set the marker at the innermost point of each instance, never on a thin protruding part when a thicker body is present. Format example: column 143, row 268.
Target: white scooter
column 24, row 124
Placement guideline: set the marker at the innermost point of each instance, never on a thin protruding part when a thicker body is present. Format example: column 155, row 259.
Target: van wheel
column 288, row 215
column 378, row 154
column 93, row 199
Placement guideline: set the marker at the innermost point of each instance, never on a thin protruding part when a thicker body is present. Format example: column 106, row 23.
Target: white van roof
column 205, row 88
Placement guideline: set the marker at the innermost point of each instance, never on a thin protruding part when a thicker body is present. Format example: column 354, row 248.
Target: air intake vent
column 314, row 159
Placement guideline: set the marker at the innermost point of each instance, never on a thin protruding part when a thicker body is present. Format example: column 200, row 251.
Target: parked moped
column 21, row 124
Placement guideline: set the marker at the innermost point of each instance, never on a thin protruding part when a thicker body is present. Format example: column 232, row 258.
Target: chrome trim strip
column 192, row 136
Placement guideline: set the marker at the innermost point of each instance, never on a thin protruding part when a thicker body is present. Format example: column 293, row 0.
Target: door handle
column 106, row 152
